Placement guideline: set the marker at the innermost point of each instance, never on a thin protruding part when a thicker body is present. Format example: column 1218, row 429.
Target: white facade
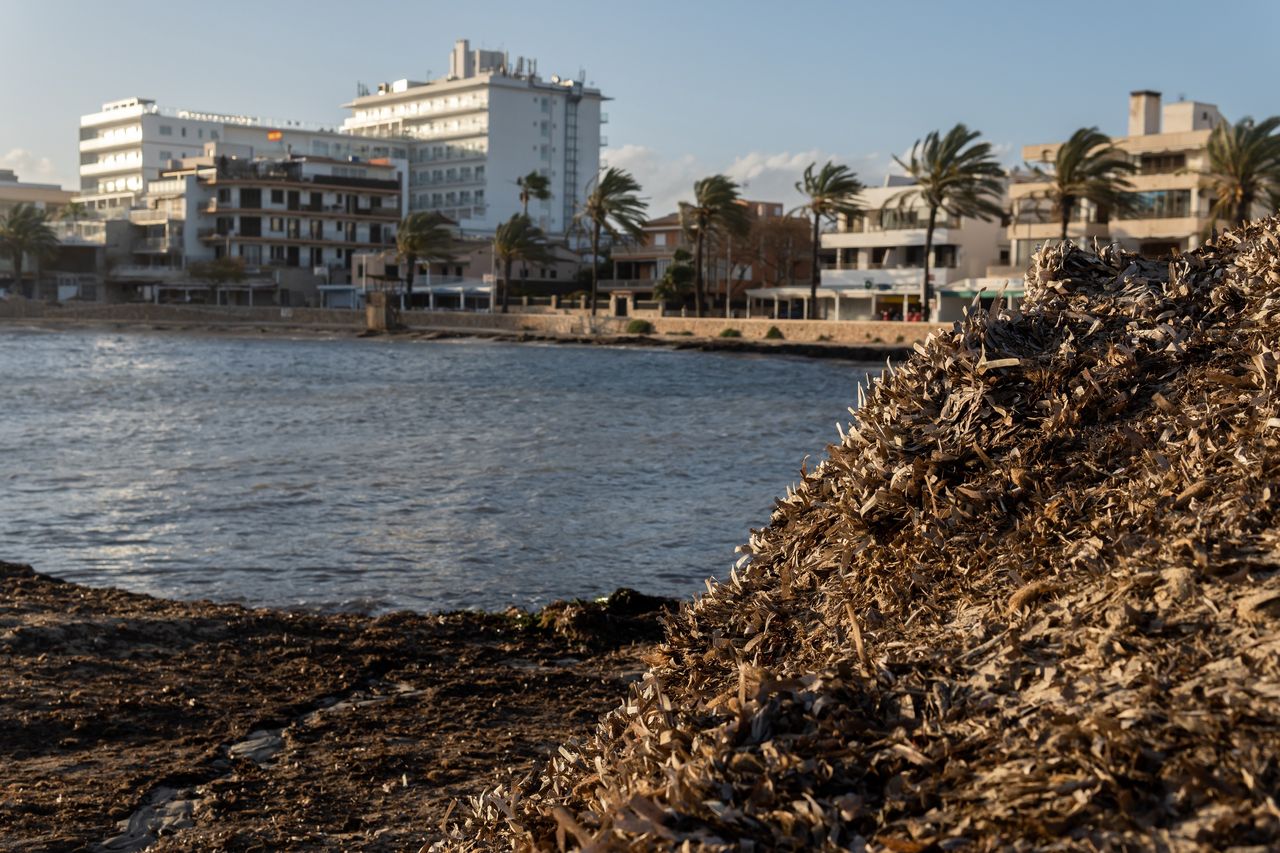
column 131, row 141
column 482, row 127
column 876, row 260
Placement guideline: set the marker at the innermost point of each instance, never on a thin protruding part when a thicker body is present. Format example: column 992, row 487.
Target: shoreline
column 135, row 722
column 862, row 352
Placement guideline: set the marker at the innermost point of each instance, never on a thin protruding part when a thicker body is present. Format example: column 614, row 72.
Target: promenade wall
column 576, row 323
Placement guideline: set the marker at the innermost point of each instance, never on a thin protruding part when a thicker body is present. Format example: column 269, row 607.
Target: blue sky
column 752, row 88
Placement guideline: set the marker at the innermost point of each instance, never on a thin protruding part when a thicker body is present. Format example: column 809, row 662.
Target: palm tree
column 833, row 192
column 957, row 175
column 73, row 212
column 613, row 207
column 716, row 208
column 25, row 232
column 422, row 236
column 1087, row 167
column 1244, row 168
column 517, row 239
column 533, row 185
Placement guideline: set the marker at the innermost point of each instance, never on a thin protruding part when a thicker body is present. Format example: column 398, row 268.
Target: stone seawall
column 574, row 323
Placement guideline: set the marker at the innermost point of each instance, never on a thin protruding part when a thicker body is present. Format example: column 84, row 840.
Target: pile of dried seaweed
column 1031, row 601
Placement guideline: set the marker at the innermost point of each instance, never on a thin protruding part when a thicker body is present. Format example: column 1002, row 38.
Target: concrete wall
column 804, row 331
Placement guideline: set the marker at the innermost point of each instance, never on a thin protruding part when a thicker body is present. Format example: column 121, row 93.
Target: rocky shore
column 130, row 722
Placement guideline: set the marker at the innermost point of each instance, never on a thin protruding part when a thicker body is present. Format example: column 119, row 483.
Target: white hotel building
column 483, row 126
column 131, row 141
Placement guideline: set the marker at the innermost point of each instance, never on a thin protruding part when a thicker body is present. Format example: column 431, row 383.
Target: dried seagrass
column 1030, row 601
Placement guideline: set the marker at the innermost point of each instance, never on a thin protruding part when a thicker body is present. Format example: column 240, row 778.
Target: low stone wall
column 180, row 314
column 567, row 323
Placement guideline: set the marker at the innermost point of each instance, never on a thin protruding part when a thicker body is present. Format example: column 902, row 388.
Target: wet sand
column 131, row 722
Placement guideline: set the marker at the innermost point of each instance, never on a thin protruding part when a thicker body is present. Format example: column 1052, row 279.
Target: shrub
column 730, row 333
column 639, row 327
column 774, row 334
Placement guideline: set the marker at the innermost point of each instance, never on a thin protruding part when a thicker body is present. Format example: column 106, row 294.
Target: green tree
column 25, row 232
column 955, row 174
column 832, row 192
column 422, row 236
column 1087, row 167
column 1243, row 168
column 716, row 209
column 533, row 185
column 219, row 272
column 612, row 207
column 517, row 239
column 676, row 283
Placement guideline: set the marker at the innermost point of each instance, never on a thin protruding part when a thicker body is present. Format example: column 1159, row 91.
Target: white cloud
column 765, row 175
column 28, row 166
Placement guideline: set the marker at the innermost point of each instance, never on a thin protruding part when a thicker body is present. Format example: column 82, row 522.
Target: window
column 184, row 131
column 277, row 254
column 166, row 155
column 375, row 233
column 317, row 229
column 250, row 226
column 251, row 198
column 166, row 130
column 1161, row 204
column 293, row 228
column 200, row 133
column 277, row 196
column 224, row 195
column 213, row 134
column 277, row 224
column 660, row 239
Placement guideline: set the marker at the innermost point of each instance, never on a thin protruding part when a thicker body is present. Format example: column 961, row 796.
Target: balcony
column 894, row 280
column 155, row 245
column 886, row 239
column 105, row 143
column 144, row 273
column 153, row 216
column 133, row 165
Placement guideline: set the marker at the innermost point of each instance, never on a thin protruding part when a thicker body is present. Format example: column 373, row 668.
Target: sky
column 755, row 90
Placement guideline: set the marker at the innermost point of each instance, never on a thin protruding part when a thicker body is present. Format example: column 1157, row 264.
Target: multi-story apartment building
column 483, row 126
column 295, row 223
column 873, row 264
column 1171, row 206
column 131, row 141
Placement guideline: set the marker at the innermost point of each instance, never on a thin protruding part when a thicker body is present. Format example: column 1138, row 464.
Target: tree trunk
column 506, row 283
column 408, row 288
column 816, row 276
column 927, row 291
column 595, row 265
column 1243, row 209
column 1067, row 204
column 697, row 273
column 16, row 258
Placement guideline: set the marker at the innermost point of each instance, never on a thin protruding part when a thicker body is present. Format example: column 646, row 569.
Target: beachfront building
column 478, row 129
column 873, row 264
column 78, row 257
column 292, row 223
column 1171, row 204
column 129, row 142
column 775, row 253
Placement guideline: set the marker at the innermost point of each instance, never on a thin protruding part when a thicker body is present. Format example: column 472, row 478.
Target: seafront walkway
column 570, row 324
